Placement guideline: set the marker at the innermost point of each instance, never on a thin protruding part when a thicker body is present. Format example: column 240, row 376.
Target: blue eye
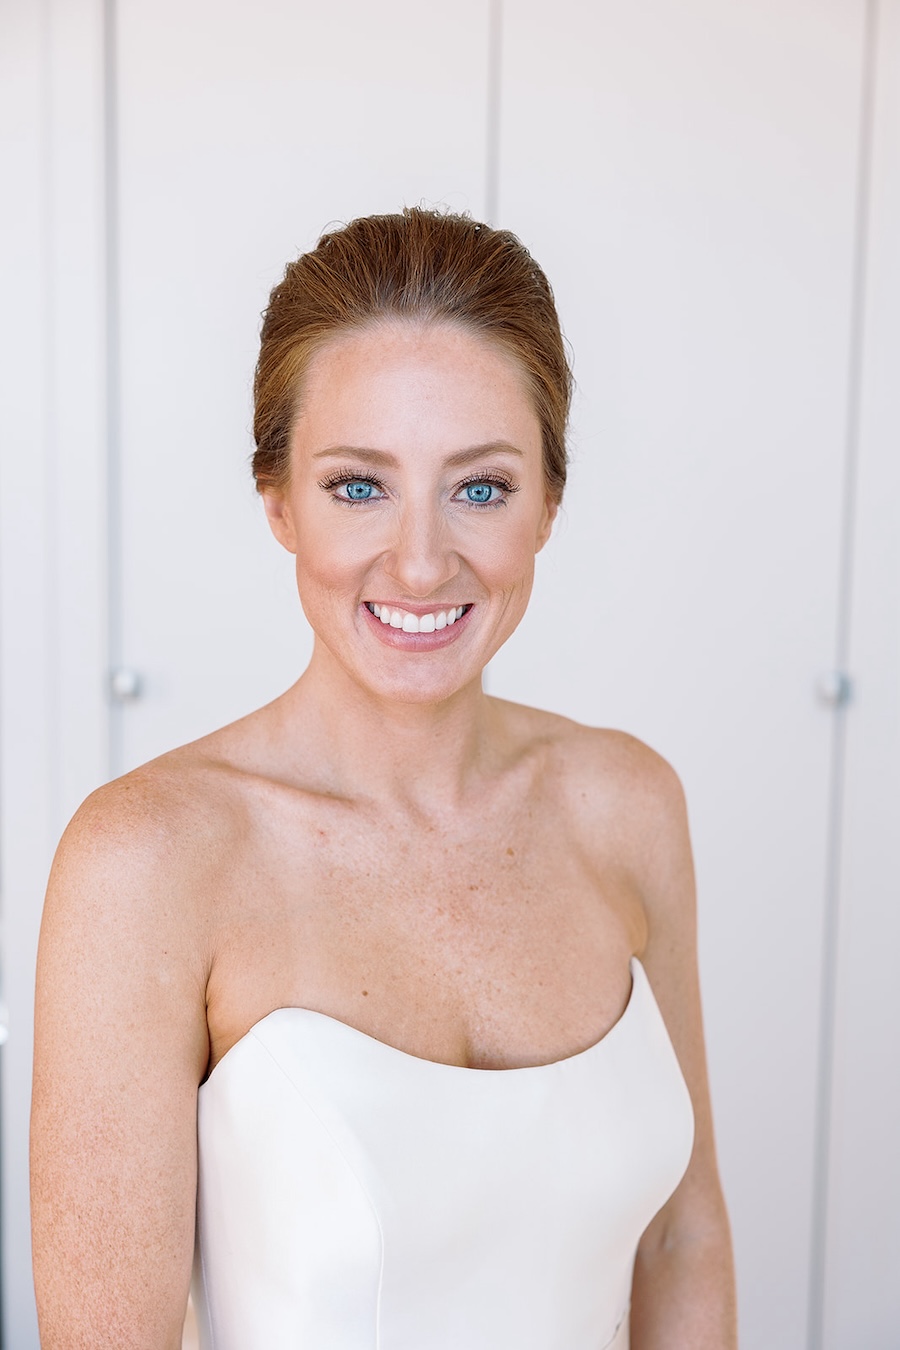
column 479, row 492
column 347, row 487
column 359, row 490
column 486, row 489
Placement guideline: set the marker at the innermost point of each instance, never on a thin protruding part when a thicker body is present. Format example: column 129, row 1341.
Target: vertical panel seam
column 494, row 80
column 50, row 516
column 492, row 147
column 831, row 917
column 112, row 375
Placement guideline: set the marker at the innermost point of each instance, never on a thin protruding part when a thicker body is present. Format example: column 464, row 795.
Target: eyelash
column 345, row 476
column 498, row 480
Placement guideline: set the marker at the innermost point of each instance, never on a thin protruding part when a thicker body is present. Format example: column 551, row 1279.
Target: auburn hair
column 424, row 265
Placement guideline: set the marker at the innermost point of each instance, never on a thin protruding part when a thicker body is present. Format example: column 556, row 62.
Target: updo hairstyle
column 424, row 265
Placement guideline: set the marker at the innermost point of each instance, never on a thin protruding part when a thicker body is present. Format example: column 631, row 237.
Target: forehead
column 411, row 385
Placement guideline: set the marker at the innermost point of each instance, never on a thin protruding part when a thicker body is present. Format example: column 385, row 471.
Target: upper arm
column 652, row 844
column 664, row 865
column 120, row 1047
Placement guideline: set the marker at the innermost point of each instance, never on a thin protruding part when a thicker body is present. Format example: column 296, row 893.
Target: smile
column 416, row 623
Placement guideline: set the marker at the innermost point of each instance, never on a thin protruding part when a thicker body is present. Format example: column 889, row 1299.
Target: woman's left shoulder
column 599, row 767
column 625, row 801
column 633, row 797
column 597, row 755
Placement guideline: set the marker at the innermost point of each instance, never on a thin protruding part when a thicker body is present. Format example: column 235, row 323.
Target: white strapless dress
column 355, row 1197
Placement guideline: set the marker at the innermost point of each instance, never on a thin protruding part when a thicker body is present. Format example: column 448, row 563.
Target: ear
column 280, row 518
column 551, row 506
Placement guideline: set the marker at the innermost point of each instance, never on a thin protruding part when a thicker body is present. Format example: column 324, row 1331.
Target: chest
column 491, row 943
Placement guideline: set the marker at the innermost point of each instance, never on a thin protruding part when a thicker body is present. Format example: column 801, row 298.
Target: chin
column 415, row 690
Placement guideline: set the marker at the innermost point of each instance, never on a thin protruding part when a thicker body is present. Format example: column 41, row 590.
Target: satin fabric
column 355, row 1197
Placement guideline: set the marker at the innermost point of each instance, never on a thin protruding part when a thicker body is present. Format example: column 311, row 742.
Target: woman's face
column 415, row 506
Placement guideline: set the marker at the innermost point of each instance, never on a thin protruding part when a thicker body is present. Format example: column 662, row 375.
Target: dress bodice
column 355, row 1197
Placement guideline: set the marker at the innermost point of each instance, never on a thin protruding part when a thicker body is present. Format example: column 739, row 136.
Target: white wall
column 688, row 174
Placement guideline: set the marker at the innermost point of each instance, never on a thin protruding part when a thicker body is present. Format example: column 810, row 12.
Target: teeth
column 417, row 623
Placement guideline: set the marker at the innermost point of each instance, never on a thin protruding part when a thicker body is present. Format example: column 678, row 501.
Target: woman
column 427, row 957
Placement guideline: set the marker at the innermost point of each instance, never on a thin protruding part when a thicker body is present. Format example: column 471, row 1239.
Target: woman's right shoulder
column 159, row 832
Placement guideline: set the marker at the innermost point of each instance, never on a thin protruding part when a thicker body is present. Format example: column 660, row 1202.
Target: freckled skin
column 461, row 877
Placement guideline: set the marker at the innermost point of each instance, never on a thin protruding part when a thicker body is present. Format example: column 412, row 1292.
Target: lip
column 415, row 642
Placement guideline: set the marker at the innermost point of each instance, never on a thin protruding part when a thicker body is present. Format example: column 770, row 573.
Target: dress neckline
column 292, row 1012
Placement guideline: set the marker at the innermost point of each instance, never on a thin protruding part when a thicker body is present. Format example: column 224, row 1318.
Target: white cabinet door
column 687, row 175
column 243, row 130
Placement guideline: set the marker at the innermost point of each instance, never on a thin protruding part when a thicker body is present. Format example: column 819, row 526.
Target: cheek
column 503, row 549
column 333, row 544
column 509, row 561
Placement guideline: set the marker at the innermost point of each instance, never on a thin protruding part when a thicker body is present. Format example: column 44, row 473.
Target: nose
column 421, row 558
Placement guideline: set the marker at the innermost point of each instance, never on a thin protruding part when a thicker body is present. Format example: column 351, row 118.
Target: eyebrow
column 385, row 458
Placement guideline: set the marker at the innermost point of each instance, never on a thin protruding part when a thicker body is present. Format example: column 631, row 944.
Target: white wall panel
column 686, row 174
column 245, row 130
column 53, row 712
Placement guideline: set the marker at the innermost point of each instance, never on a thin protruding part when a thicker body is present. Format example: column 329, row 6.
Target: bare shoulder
column 608, row 779
column 623, row 788
column 133, row 889
column 166, row 819
column 586, row 749
column 600, row 757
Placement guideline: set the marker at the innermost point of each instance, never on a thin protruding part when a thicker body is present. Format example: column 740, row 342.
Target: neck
column 423, row 756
